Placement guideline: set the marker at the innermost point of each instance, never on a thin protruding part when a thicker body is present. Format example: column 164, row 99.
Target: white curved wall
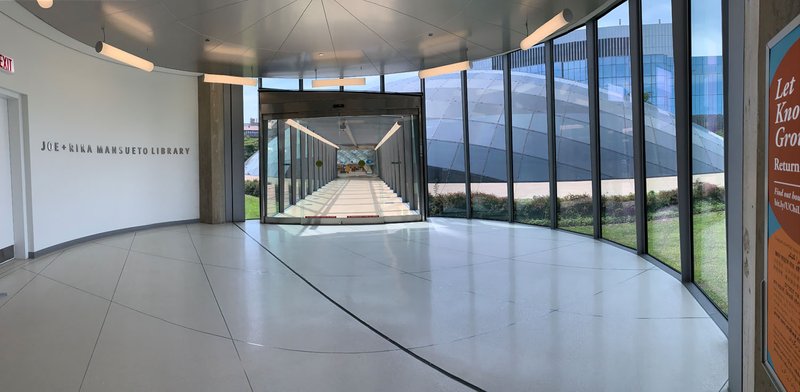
column 74, row 97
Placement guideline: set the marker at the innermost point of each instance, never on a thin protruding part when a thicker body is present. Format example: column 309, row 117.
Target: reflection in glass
column 708, row 159
column 663, row 231
column 618, row 206
column 487, row 140
column 445, row 139
column 529, row 116
column 573, row 151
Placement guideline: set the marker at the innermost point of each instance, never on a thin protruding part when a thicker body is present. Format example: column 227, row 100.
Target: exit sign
column 6, row 64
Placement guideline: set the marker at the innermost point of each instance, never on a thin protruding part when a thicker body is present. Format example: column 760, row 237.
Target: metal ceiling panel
column 239, row 15
column 284, row 38
column 271, row 30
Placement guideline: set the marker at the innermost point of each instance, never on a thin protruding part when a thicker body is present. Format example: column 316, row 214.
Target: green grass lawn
column 711, row 267
column 251, row 207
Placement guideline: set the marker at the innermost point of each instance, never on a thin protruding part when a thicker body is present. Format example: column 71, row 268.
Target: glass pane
column 280, row 83
column 252, row 190
column 445, row 138
column 618, row 207
column 287, row 166
column 271, row 171
column 406, row 82
column 663, row 232
column 573, row 151
column 373, row 85
column 708, row 152
column 487, row 140
column 529, row 115
column 298, row 166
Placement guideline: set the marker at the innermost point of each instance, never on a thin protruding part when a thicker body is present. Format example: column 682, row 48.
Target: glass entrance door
column 341, row 169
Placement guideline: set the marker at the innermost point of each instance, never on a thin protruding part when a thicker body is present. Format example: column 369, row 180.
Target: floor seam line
column 29, row 282
column 373, row 329
column 132, row 308
column 108, row 309
column 213, row 293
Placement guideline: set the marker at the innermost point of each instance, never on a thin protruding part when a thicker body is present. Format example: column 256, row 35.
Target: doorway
column 14, row 205
column 340, row 158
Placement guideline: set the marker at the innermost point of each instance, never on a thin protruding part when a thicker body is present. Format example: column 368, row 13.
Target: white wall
column 6, row 217
column 74, row 97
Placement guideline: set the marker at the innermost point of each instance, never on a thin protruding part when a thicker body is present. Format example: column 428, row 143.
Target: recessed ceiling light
column 45, row 3
column 321, row 54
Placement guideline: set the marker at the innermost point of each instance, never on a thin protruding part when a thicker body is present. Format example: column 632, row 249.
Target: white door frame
column 20, row 171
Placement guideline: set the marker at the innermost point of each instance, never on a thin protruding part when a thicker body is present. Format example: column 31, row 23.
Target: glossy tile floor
column 351, row 196
column 205, row 308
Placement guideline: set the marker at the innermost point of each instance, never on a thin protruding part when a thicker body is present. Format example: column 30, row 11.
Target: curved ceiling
column 306, row 38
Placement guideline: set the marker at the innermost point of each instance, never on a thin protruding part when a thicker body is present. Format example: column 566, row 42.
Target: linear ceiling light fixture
column 445, row 69
column 45, row 3
column 389, row 134
column 338, row 82
column 225, row 79
column 551, row 26
column 123, row 56
column 302, row 128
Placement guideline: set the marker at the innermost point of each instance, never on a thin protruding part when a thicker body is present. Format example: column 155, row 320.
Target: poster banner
column 783, row 195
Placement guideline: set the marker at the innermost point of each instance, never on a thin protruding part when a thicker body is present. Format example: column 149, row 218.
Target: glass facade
column 569, row 136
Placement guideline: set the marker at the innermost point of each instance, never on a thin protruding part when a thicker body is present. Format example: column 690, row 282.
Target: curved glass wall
column 570, row 133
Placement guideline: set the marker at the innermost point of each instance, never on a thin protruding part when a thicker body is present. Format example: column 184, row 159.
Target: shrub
column 252, row 188
column 447, row 204
column 576, row 210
